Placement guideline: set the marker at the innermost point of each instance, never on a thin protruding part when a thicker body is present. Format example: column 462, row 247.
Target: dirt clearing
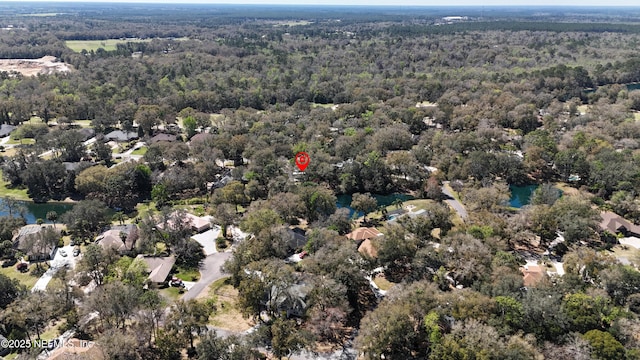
column 33, row 67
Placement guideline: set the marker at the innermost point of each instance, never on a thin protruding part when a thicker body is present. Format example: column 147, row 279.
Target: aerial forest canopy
column 398, row 240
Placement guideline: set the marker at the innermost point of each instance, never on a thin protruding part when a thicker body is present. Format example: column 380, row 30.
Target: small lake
column 344, row 201
column 634, row 86
column 38, row 211
column 521, row 195
column 630, row 87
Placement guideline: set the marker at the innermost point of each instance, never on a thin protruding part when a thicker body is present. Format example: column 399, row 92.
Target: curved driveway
column 210, row 271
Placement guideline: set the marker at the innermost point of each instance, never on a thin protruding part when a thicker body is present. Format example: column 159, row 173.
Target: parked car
column 73, row 242
column 175, row 282
column 76, row 251
column 63, row 253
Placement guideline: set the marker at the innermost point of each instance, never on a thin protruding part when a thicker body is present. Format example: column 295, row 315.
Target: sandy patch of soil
column 33, row 67
column 227, row 316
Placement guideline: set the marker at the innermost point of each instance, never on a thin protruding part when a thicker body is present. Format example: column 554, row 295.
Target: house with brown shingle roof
column 162, row 137
column 363, row 233
column 365, row 238
column 198, row 223
column 201, row 137
column 113, row 238
column 615, row 224
column 367, row 248
column 532, row 274
column 159, row 267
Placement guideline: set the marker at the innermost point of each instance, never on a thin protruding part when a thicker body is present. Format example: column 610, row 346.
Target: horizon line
column 357, row 3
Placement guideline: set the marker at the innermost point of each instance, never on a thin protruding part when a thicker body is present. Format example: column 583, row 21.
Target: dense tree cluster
column 382, row 104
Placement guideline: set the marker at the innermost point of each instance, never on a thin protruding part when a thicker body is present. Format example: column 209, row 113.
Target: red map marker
column 302, row 160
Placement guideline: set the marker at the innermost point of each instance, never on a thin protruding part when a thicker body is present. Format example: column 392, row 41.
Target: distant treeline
column 419, row 30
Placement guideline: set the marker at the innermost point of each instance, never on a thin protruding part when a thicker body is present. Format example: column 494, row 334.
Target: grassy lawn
column 172, row 293
column 9, row 152
column 227, row 316
column 187, row 274
column 25, row 141
column 25, row 279
column 382, row 282
column 144, row 208
column 583, row 109
column 83, row 123
column 455, row 194
column 139, row 151
column 108, row 45
column 457, row 221
column 420, row 204
column 629, row 252
column 566, row 189
column 52, row 331
column 161, row 247
column 18, row 194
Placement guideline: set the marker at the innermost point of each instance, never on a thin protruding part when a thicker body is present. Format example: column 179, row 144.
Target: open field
column 108, row 45
column 294, row 23
column 41, row 14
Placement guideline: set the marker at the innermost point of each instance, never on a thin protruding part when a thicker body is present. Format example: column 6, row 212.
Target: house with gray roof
column 615, row 224
column 28, row 241
column 6, row 129
column 121, row 136
column 162, row 137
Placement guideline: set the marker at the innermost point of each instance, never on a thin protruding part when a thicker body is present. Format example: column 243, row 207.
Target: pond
column 634, row 86
column 630, row 87
column 344, row 201
column 521, row 195
column 35, row 211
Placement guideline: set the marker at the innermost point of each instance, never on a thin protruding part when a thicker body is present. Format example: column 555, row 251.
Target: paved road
column 455, row 204
column 210, row 271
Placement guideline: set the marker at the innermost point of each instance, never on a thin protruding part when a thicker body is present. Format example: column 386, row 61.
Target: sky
column 379, row 2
